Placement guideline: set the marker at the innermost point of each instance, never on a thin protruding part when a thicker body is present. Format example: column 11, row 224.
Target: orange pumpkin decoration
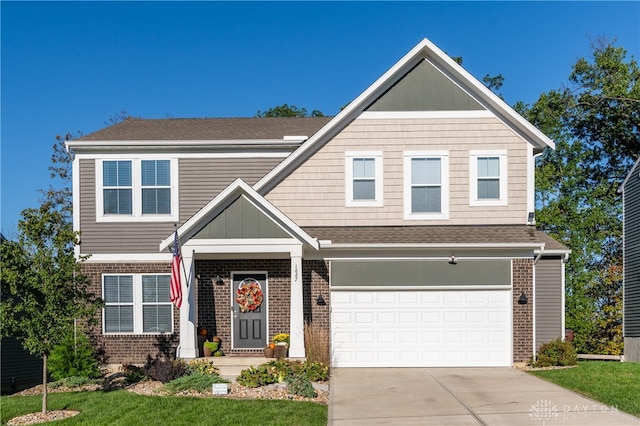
column 272, row 345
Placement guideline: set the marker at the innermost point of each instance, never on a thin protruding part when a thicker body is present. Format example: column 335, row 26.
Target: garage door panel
column 456, row 328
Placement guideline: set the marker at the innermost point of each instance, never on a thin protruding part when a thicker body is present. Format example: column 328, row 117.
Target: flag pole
column 184, row 270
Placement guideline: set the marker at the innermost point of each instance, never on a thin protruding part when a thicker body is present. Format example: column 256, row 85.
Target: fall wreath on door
column 249, row 295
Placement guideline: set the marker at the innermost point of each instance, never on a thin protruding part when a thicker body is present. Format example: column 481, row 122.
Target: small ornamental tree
column 43, row 288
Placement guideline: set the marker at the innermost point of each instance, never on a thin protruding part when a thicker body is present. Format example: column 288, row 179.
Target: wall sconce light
column 217, row 280
column 453, row 261
column 320, row 300
column 522, row 300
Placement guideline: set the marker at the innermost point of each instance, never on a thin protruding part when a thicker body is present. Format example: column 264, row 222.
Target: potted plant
column 208, row 348
column 268, row 350
column 281, row 342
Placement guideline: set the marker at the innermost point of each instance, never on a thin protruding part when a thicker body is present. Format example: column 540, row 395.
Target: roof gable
column 425, row 50
column 241, row 219
column 239, row 188
column 425, row 88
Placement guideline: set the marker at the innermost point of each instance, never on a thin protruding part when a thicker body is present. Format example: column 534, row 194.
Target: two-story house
column 403, row 225
column 630, row 190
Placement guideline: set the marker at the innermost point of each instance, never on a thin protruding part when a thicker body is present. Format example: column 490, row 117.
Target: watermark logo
column 543, row 411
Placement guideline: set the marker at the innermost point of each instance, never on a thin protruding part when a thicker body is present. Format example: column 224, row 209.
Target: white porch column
column 296, row 340
column 187, row 347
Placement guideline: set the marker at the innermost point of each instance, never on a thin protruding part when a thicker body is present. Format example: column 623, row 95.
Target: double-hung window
column 488, row 178
column 426, row 185
column 156, row 187
column 137, row 304
column 130, row 190
column 117, row 187
column 363, row 171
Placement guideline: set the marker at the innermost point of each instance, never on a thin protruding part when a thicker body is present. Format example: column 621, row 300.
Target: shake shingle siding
column 632, row 255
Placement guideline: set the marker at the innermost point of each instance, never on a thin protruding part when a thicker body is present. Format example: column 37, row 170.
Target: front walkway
column 460, row 396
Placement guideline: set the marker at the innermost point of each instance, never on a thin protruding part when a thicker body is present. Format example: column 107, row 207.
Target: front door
column 249, row 310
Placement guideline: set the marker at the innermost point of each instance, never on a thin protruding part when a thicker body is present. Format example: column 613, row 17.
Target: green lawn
column 614, row 383
column 126, row 408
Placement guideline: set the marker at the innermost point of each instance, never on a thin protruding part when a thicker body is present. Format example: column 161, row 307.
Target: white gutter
column 287, row 142
column 327, row 244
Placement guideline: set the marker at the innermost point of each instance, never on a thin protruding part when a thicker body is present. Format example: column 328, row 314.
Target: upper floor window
column 136, row 190
column 156, row 187
column 426, row 185
column 363, row 171
column 488, row 178
column 137, row 304
column 117, row 187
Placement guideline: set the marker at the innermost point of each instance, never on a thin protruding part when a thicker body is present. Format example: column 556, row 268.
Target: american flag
column 176, row 280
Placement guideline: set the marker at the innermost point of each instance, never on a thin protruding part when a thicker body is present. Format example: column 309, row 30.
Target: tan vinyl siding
column 200, row 179
column 548, row 300
column 314, row 194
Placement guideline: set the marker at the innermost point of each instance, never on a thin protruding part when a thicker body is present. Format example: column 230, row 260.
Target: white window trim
column 444, row 182
column 473, row 178
column 136, row 173
column 348, row 165
column 137, row 306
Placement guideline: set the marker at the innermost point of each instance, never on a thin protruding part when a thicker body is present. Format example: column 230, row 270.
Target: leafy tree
column 596, row 124
column 43, row 288
column 42, row 284
column 285, row 110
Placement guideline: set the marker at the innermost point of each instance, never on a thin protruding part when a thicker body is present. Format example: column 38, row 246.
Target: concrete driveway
column 460, row 396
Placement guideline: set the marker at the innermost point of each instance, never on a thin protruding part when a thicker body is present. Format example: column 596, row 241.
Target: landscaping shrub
column 315, row 371
column 165, row 370
column 316, row 343
column 133, row 373
column 200, row 382
column 74, row 357
column 280, row 371
column 202, row 366
column 555, row 353
column 298, row 384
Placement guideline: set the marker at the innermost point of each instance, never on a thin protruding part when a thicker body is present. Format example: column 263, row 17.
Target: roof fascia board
column 434, row 246
column 223, row 200
column 424, row 49
column 182, row 144
column 636, row 165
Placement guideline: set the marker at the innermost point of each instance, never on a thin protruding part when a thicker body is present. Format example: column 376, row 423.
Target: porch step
column 231, row 366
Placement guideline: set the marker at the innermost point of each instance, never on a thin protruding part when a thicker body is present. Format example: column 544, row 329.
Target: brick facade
column 130, row 348
column 522, row 314
column 213, row 304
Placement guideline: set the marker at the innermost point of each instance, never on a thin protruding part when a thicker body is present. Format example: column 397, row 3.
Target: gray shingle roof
column 515, row 234
column 208, row 129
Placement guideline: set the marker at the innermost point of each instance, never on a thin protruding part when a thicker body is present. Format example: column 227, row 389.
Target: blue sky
column 70, row 66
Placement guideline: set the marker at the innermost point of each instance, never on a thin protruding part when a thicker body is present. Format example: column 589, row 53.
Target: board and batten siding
column 548, row 300
column 314, row 194
column 200, row 180
column 632, row 256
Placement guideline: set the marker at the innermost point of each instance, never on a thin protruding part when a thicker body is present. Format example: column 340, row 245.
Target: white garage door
column 421, row 328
